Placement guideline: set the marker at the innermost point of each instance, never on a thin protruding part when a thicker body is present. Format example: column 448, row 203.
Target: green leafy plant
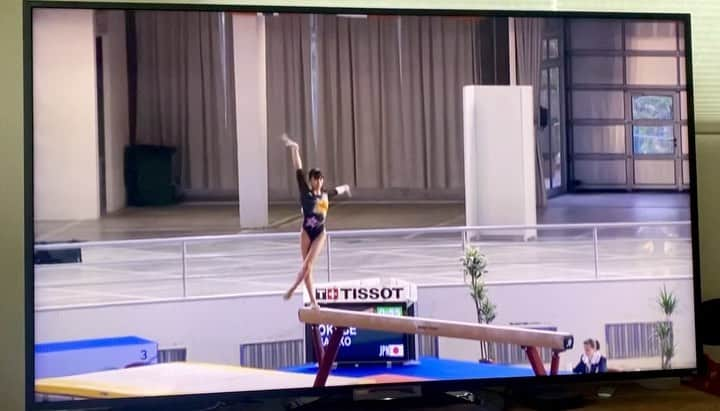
column 667, row 302
column 664, row 330
column 474, row 268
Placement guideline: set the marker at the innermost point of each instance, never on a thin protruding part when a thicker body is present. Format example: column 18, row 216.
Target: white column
column 65, row 124
column 251, row 116
column 499, row 157
column 110, row 24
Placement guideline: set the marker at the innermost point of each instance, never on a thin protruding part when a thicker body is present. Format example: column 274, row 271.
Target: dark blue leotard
column 314, row 206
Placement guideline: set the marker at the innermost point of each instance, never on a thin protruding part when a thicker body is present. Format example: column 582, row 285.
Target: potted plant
column 664, row 330
column 474, row 267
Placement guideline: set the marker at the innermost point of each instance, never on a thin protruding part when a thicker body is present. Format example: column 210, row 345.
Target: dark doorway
column 101, row 123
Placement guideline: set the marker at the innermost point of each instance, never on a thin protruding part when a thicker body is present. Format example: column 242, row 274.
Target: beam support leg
column 535, row 360
column 317, row 342
column 555, row 364
column 328, row 357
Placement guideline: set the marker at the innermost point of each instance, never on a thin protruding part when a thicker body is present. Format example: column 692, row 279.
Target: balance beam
column 342, row 319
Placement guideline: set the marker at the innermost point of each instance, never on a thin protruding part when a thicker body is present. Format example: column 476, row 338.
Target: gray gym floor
column 257, row 264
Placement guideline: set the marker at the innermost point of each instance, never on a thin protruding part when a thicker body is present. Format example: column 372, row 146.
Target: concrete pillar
column 251, row 112
column 65, row 121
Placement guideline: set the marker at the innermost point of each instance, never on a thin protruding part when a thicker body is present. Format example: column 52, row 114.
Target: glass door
column 656, row 160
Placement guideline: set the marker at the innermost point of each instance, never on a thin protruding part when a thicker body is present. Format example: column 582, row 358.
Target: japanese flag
column 395, row 350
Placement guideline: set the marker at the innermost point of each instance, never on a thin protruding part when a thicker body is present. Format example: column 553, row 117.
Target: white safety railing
column 339, row 244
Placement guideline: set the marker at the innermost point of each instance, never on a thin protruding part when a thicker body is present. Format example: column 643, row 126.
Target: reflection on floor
column 189, row 219
column 616, row 207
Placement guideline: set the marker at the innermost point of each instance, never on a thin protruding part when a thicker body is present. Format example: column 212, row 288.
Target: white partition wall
column 65, row 121
column 499, row 157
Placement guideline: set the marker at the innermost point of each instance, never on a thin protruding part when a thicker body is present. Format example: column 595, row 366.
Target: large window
column 628, row 116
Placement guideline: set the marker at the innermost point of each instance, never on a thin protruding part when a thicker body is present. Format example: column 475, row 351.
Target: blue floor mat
column 428, row 368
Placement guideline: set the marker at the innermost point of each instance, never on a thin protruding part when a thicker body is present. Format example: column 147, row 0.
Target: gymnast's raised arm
column 297, row 164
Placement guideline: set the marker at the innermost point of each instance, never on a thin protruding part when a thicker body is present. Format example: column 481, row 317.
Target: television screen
column 267, row 200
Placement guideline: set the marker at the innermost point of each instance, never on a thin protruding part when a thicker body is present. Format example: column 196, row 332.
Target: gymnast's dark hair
column 593, row 343
column 315, row 173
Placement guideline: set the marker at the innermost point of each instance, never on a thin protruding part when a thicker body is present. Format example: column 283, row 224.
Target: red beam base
column 328, row 358
column 317, row 342
column 535, row 360
column 555, row 364
column 537, row 364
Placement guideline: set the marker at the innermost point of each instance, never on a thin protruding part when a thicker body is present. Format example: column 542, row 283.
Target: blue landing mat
column 427, row 368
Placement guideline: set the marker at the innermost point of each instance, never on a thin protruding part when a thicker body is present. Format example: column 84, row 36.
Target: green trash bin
column 149, row 176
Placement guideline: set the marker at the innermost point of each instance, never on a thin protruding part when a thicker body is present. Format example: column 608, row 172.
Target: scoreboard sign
column 388, row 297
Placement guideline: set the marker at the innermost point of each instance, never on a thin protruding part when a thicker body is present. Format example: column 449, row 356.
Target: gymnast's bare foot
column 314, row 305
column 287, row 295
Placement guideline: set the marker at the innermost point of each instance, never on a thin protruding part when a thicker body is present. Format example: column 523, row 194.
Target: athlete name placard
column 382, row 296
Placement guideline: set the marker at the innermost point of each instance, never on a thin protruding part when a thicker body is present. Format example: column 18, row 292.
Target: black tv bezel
column 206, row 399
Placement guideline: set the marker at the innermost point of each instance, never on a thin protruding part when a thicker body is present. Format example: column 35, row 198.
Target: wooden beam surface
column 442, row 328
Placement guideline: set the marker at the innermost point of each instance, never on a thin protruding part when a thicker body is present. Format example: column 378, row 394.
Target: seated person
column 592, row 361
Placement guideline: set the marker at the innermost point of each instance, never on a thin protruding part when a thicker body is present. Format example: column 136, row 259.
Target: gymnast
column 314, row 201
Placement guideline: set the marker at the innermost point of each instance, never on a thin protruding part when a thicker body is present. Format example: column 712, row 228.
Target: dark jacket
column 595, row 367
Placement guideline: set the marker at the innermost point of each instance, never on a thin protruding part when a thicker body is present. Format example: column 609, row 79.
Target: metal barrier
column 465, row 238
